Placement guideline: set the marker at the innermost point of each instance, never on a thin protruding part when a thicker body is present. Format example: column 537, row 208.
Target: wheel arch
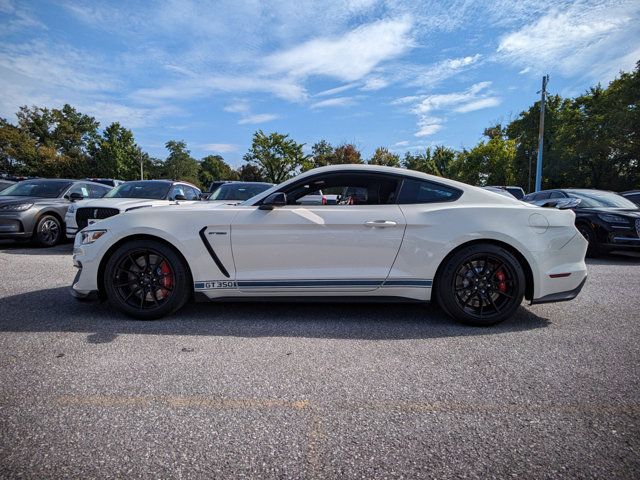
column 119, row 243
column 526, row 267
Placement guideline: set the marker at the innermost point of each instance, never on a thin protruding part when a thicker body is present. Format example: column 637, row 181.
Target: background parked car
column 633, row 195
column 128, row 196
column 236, row 192
column 110, row 182
column 213, row 186
column 35, row 209
column 5, row 184
column 607, row 220
column 517, row 192
column 500, row 191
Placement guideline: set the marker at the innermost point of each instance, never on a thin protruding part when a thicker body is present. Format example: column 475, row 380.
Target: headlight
column 609, row 218
column 16, row 207
column 91, row 236
column 72, row 209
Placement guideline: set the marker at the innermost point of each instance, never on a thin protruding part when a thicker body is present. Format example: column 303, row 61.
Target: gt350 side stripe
column 329, row 283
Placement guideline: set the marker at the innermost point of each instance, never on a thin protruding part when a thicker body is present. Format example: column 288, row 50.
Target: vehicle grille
column 84, row 214
column 638, row 226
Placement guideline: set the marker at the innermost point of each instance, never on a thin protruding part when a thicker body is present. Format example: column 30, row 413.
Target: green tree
column 250, row 173
column 18, row 150
column 116, row 155
column 324, row 154
column 422, row 162
column 277, row 156
column 488, row 163
column 179, row 164
column 382, row 156
column 213, row 167
column 62, row 139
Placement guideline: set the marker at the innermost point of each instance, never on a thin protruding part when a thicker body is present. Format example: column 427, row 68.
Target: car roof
column 164, row 180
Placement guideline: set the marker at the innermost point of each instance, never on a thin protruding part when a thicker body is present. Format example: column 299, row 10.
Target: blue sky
column 374, row 73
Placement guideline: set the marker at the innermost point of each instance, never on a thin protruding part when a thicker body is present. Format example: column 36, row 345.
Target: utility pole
column 543, row 96
column 141, row 171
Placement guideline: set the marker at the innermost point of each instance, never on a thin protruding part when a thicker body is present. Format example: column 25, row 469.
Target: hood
column 5, row 199
column 122, row 204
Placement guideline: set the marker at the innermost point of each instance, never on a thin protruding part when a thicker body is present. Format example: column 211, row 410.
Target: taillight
column 324, row 200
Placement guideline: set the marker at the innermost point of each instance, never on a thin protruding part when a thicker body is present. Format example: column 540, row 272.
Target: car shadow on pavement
column 28, row 248
column 33, row 312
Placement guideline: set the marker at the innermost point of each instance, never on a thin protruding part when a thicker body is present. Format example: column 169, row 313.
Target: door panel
column 323, row 247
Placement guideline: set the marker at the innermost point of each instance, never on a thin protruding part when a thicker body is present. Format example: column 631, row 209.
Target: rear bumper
column 561, row 296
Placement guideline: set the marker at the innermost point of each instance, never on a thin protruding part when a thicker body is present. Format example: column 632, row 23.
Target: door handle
column 380, row 223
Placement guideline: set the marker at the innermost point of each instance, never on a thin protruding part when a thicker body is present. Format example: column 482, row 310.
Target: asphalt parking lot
column 315, row 390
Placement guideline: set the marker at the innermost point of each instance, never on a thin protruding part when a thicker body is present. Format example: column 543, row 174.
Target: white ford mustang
column 393, row 234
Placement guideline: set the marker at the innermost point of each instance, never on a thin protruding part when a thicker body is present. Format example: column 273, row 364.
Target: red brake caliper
column 167, row 278
column 502, row 285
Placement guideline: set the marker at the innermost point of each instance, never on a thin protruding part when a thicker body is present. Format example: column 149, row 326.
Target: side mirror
column 75, row 196
column 179, row 197
column 278, row 199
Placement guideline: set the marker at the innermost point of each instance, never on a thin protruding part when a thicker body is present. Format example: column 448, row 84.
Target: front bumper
column 16, row 225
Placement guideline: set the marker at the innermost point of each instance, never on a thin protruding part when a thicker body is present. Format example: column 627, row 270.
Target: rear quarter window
column 422, row 191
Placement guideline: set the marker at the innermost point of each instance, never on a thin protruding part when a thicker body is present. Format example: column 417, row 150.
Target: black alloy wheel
column 48, row 231
column 481, row 285
column 147, row 280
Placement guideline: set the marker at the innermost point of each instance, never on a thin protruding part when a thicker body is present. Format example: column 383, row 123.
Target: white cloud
column 219, row 147
column 258, row 118
column 479, row 104
column 593, row 39
column 334, row 102
column 340, row 89
column 348, row 57
column 476, row 97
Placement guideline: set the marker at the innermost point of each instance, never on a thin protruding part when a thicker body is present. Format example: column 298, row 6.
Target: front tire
column 147, row 279
column 481, row 285
column 48, row 231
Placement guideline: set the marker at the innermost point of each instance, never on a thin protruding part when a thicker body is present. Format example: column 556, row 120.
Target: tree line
column 591, row 141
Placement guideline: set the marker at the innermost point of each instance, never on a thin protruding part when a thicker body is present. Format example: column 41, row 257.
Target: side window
column 97, row 191
column 556, row 195
column 176, row 190
column 344, row 189
column 191, row 193
column 422, row 191
column 543, row 196
column 81, row 188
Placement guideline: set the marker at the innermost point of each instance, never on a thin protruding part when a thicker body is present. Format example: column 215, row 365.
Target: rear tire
column 48, row 231
column 481, row 285
column 147, row 279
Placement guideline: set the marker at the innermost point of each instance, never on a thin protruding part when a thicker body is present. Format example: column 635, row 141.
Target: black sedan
column 607, row 220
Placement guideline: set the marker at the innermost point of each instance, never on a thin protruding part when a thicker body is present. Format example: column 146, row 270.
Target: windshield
column 238, row 191
column 144, row 189
column 37, row 188
column 596, row 198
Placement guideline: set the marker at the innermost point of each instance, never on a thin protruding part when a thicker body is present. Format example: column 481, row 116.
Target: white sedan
column 404, row 235
column 126, row 197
